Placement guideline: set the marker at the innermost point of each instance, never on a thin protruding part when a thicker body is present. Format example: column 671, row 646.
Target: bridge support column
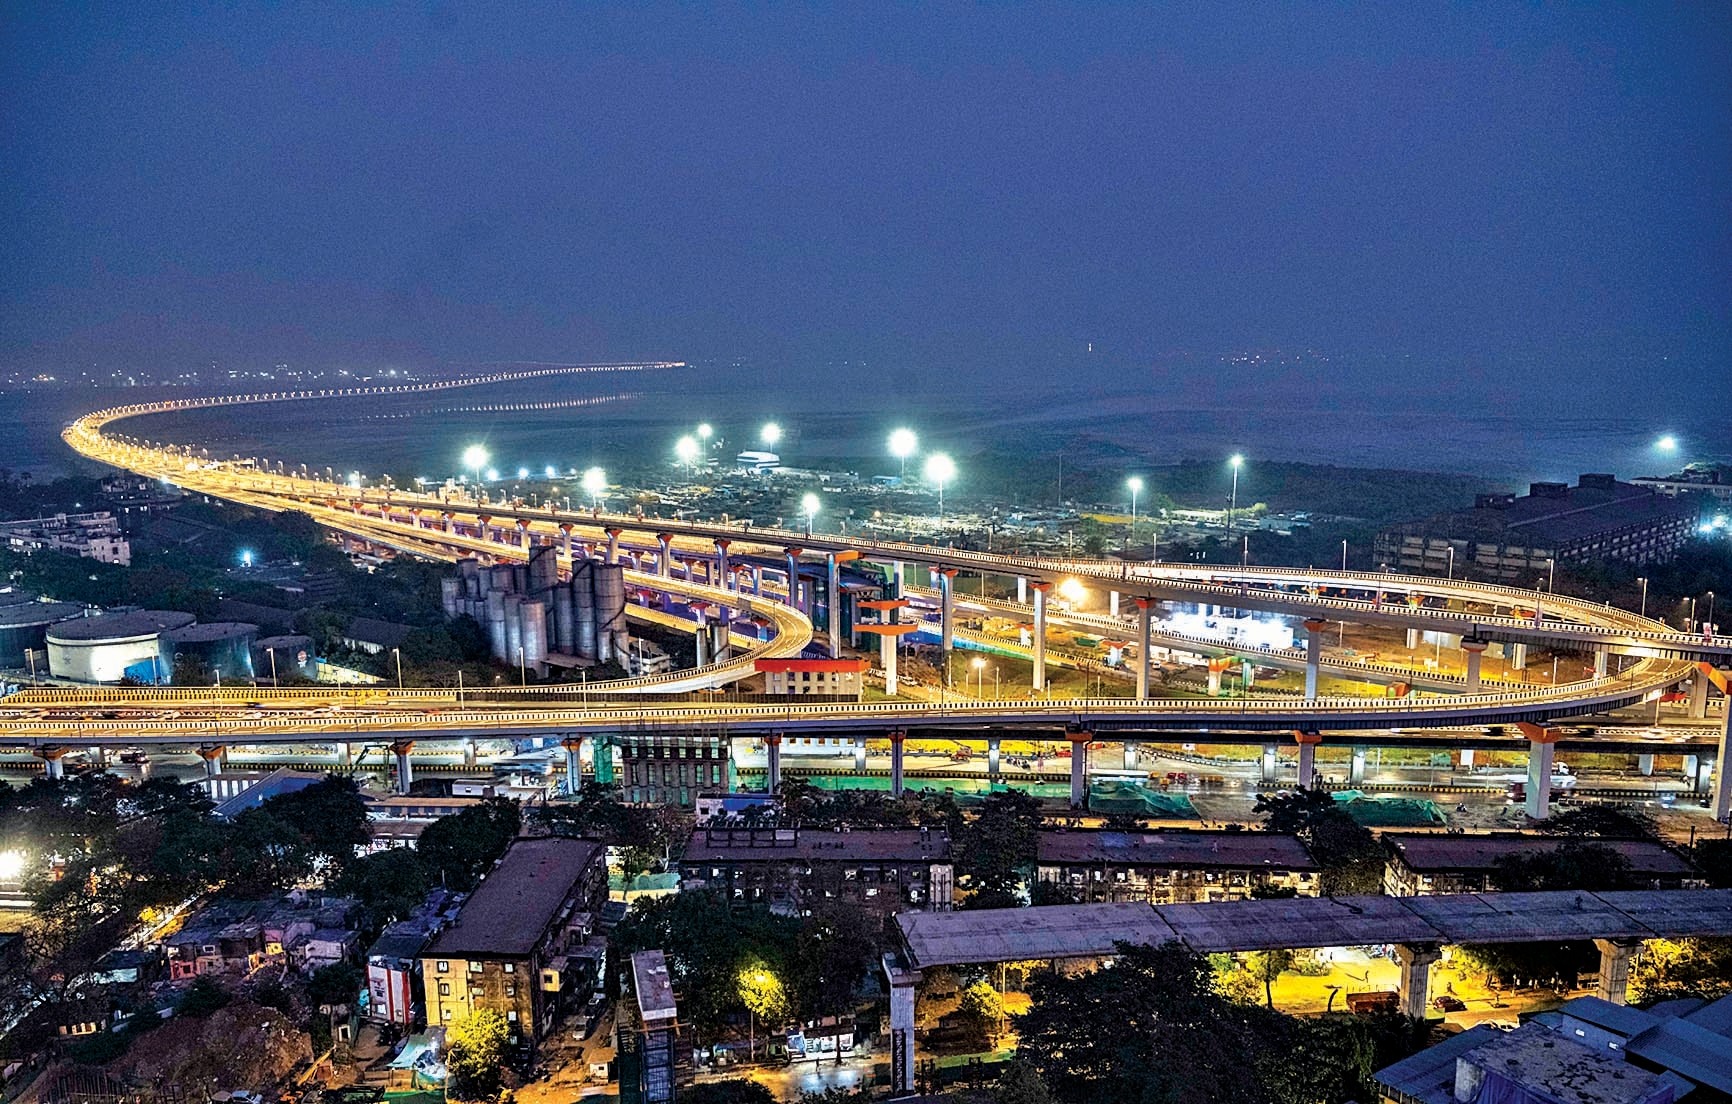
column 1247, row 675
column 1475, row 652
column 1314, row 627
column 773, row 761
column 903, row 983
column 1144, row 617
column 722, row 562
column 1722, row 776
column 947, row 619
column 345, row 755
column 405, row 772
column 1645, row 764
column 1022, row 590
column 1269, row 774
column 1542, row 751
column 1308, row 742
column 1216, row 666
column 98, row 756
column 1614, row 982
column 896, row 739
column 889, row 647
column 1412, row 639
column 1689, row 770
column 52, row 757
column 1356, row 766
column 565, row 537
column 1699, row 697
column 1039, row 642
column 833, row 604
column 1602, row 662
column 859, row 753
column 1518, row 659
column 573, row 746
column 992, row 744
column 613, row 545
column 1112, row 603
column 1130, row 755
column 469, row 757
column 793, row 555
column 1416, row 961
column 1079, row 768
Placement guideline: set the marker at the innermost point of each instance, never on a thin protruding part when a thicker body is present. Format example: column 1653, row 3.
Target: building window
column 475, row 967
column 445, row 988
column 511, row 967
column 444, row 1013
column 511, row 990
column 443, row 966
column 511, row 1016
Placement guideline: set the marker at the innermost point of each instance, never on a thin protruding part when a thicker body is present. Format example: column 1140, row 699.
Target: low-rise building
column 514, row 945
column 791, row 869
column 1175, row 867
column 830, row 677
column 1529, row 1064
column 1506, row 537
column 1424, row 863
column 94, row 536
column 1710, row 480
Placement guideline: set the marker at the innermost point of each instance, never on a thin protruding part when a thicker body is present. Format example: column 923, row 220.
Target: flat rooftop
column 508, row 912
column 1530, row 1056
column 782, row 844
column 654, row 990
column 1082, row 931
column 1235, row 850
column 119, row 626
column 1431, row 852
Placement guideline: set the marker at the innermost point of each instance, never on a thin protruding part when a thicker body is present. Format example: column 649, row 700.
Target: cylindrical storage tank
column 610, row 628
column 24, row 628
column 496, row 624
column 224, row 648
column 583, row 607
column 520, row 578
column 513, row 628
column 543, row 569
column 564, row 625
column 292, row 655
column 112, row 646
column 533, row 612
column 469, row 571
column 449, row 588
column 502, row 578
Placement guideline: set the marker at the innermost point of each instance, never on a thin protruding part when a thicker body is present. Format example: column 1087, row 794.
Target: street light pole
column 1644, row 581
column 1344, row 553
column 396, row 654
column 1233, row 500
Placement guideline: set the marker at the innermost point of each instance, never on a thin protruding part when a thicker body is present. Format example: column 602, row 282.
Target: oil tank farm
column 284, row 657
column 533, row 617
column 225, row 648
column 113, row 646
column 24, row 624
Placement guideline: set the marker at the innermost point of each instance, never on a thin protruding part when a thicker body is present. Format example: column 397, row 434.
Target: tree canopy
column 1352, row 861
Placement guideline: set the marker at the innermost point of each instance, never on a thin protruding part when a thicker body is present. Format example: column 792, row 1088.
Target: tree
column 998, row 846
column 1266, row 966
column 460, row 848
column 1020, row 1083
column 1351, row 859
column 1601, row 822
column 833, row 952
column 390, row 884
column 763, row 994
column 1668, row 969
column 1713, row 857
column 338, row 983
column 475, row 1048
column 1570, row 865
column 732, row 1090
column 981, row 1009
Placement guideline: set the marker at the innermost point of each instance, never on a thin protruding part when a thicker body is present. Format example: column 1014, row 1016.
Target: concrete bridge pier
column 1602, row 663
column 1645, row 764
column 98, row 756
column 1542, row 753
column 53, row 760
column 1699, row 697
column 1269, row 774
column 573, row 746
column 469, row 753
column 346, row 755
column 1614, row 980
column 1130, row 755
column 896, row 740
column 1308, row 742
column 1314, row 627
column 1416, row 961
column 859, row 753
column 1412, row 639
column 1518, row 658
column 793, row 555
column 405, row 772
column 773, row 761
column 1144, row 617
column 1356, row 766
column 992, row 744
column 1112, row 603
column 1079, row 768
column 833, row 604
column 613, row 536
column 1689, row 765
column 1039, row 641
column 1474, row 652
column 1022, row 590
column 212, row 754
column 947, row 618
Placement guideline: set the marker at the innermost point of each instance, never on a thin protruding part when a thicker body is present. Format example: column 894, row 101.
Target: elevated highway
column 451, row 526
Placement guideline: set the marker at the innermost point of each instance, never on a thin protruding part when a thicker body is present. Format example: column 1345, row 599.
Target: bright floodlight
column 940, row 468
column 1071, row 591
column 686, row 448
column 903, row 442
column 1135, row 483
column 475, row 458
column 1668, row 443
column 809, row 504
column 770, row 434
column 550, row 471
column 246, row 557
column 1237, row 460
column 594, row 482
column 492, row 473
column 12, row 865
column 705, row 431
column 523, row 473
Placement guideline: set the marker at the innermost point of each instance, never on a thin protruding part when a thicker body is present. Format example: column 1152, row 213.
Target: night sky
column 1539, row 192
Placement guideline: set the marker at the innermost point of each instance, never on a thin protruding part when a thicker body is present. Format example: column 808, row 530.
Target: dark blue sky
column 1514, row 188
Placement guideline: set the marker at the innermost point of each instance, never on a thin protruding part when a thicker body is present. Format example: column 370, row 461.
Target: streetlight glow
column 550, row 471
column 705, row 431
column 809, row 504
column 523, row 473
column 594, row 483
column 770, row 434
column 474, row 459
column 903, row 442
column 1668, row 443
column 686, row 448
column 940, row 469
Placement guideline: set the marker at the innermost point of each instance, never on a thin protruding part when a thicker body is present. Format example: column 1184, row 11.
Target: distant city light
column 523, row 473
column 809, row 504
column 705, row 431
column 246, row 557
column 551, row 471
column 475, row 458
column 492, row 473
column 770, row 434
column 1668, row 443
column 594, row 483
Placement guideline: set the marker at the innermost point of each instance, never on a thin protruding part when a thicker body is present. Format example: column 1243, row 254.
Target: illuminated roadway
column 427, row 524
